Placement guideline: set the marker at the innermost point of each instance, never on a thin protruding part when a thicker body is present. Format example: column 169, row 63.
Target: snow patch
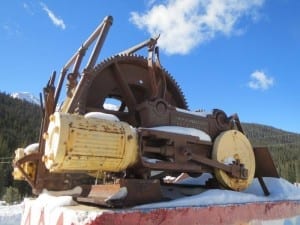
column 202, row 114
column 184, row 130
column 47, row 205
column 101, row 115
column 51, row 206
column 31, row 148
column 229, row 160
column 201, row 180
column 279, row 188
column 11, row 214
column 76, row 191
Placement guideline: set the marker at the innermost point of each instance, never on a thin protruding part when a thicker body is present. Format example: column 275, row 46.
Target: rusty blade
column 97, row 194
column 127, row 192
column 264, row 163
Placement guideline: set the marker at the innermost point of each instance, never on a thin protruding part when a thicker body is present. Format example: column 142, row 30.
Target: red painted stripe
column 228, row 214
column 28, row 217
column 60, row 220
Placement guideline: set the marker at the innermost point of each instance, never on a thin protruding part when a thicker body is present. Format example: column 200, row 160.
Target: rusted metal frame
column 41, row 169
column 77, row 59
column 236, row 170
column 263, row 185
column 152, row 74
column 176, row 167
column 163, row 85
column 184, row 166
column 171, row 137
column 107, row 20
column 162, row 75
column 138, row 191
column 264, row 167
column 130, row 100
column 149, row 42
column 49, row 95
column 156, row 71
column 59, row 85
column 149, row 132
column 49, row 109
column 166, row 151
column 151, row 66
column 80, row 88
column 100, row 32
column 72, row 77
column 97, row 48
column 236, row 121
column 27, row 178
column 27, row 158
column 211, row 123
column 42, row 107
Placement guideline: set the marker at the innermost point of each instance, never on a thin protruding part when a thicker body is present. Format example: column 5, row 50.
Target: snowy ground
column 280, row 189
column 10, row 215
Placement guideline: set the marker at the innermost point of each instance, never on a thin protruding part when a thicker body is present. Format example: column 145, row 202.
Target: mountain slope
column 26, row 96
column 284, row 147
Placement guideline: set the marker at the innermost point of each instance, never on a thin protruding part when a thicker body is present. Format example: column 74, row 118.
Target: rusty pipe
column 150, row 42
column 100, row 32
column 101, row 38
column 89, row 41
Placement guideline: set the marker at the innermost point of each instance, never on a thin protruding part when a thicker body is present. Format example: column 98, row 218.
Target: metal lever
column 236, row 169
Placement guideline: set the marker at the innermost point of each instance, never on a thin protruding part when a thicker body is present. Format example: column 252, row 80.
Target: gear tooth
column 180, row 92
column 140, row 60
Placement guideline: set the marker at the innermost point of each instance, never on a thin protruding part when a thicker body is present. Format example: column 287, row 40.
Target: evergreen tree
column 12, row 195
column 19, row 127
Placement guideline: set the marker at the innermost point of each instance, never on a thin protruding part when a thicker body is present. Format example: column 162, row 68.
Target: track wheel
column 228, row 147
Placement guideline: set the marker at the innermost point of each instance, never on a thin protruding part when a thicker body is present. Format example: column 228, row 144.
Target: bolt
column 45, row 135
column 52, row 118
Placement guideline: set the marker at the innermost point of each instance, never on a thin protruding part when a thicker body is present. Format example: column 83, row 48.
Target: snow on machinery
column 131, row 147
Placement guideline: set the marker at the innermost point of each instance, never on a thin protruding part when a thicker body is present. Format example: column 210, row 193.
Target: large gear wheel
column 125, row 81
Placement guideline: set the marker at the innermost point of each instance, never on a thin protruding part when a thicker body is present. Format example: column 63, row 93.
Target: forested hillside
column 19, row 127
column 284, row 147
column 20, row 122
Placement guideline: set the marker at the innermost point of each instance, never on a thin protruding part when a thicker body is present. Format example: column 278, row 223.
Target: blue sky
column 241, row 56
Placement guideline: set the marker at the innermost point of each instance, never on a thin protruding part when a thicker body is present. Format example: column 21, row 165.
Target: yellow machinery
column 75, row 143
column 146, row 134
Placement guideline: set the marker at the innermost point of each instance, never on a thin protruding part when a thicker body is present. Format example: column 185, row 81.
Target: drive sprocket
column 125, row 81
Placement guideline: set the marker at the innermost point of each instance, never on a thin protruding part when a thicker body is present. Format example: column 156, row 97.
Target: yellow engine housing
column 74, row 143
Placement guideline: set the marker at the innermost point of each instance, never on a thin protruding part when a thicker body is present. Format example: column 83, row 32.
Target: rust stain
column 240, row 214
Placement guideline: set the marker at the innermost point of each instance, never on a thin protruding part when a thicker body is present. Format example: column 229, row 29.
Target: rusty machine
column 124, row 125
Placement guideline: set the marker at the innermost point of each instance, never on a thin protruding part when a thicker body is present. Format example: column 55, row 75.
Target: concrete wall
column 266, row 213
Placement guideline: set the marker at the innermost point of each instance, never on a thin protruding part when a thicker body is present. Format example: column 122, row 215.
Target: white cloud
column 184, row 25
column 259, row 80
column 28, row 8
column 55, row 20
